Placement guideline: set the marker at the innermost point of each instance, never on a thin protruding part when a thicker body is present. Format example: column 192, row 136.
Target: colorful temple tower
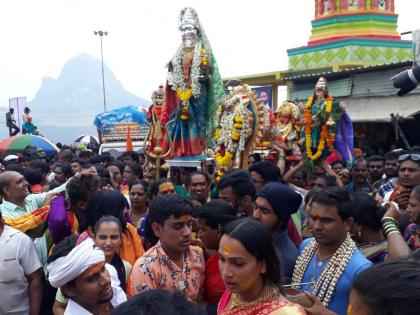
column 351, row 33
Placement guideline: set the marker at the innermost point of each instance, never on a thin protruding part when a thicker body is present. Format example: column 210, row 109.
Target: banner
column 265, row 94
column 18, row 104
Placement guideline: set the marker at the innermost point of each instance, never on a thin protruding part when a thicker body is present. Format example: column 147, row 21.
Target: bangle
column 281, row 157
column 384, row 219
column 389, row 226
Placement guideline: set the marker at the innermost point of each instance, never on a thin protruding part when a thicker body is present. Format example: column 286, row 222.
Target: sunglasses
column 413, row 157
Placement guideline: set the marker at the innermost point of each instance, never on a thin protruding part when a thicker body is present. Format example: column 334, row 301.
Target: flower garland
column 176, row 78
column 218, row 118
column 231, row 130
column 184, row 96
column 325, row 136
column 177, row 81
column 203, row 57
column 224, row 160
column 327, row 281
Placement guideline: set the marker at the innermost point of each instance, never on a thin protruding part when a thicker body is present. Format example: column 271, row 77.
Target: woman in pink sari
column 251, row 272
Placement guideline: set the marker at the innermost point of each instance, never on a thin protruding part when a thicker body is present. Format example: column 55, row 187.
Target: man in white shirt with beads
column 330, row 261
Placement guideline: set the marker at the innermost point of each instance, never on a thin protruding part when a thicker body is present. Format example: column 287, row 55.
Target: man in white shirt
column 81, row 273
column 20, row 273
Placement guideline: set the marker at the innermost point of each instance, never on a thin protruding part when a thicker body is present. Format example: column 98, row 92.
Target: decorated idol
column 287, row 127
column 157, row 143
column 327, row 127
column 193, row 87
column 239, row 126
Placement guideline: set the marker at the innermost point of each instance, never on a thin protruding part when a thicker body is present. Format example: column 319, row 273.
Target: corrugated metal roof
column 337, row 88
column 379, row 109
column 347, row 70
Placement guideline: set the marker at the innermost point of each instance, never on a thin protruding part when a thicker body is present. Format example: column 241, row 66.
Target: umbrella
column 87, row 139
column 17, row 144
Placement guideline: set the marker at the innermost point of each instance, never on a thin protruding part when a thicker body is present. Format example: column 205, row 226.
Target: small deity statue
column 353, row 5
column 240, row 125
column 381, row 5
column 286, row 131
column 193, row 88
column 321, row 115
column 158, row 144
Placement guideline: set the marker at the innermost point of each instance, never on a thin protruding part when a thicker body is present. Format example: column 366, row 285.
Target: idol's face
column 189, row 34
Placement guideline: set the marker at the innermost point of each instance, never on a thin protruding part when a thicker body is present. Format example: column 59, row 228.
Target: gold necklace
column 269, row 292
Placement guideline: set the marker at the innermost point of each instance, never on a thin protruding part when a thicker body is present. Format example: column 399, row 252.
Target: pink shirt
column 155, row 270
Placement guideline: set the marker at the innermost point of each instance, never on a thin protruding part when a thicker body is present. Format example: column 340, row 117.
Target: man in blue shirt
column 274, row 205
column 330, row 261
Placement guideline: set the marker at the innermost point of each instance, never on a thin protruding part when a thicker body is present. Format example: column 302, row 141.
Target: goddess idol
column 286, row 130
column 327, row 127
column 193, row 87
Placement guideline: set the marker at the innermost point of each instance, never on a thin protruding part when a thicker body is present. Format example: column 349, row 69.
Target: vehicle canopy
column 114, row 125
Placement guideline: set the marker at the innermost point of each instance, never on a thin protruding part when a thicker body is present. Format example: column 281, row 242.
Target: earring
column 263, row 269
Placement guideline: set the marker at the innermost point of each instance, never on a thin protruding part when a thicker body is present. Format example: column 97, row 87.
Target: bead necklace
column 315, row 272
column 325, row 286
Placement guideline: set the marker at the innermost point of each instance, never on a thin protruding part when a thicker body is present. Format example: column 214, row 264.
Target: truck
column 113, row 127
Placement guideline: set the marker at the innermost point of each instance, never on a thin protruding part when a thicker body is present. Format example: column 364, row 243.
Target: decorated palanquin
column 287, row 127
column 239, row 126
column 327, row 127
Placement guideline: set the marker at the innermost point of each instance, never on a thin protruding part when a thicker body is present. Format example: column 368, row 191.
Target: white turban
column 67, row 268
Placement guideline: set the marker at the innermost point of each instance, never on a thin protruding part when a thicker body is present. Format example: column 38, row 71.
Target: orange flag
column 129, row 144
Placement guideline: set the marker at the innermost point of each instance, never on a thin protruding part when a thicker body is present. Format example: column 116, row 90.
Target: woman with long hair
column 107, row 236
column 251, row 272
column 112, row 202
column 139, row 200
column 366, row 230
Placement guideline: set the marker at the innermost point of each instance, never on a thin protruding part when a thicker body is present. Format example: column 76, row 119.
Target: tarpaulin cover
column 129, row 114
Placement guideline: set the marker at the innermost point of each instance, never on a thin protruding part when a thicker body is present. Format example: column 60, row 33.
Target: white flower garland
column 325, row 286
column 176, row 78
column 227, row 122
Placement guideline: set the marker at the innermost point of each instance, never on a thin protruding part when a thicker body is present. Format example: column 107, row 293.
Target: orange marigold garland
column 325, row 136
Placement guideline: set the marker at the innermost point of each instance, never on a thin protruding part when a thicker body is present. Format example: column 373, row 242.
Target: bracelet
column 393, row 232
column 385, row 219
column 281, row 157
column 389, row 226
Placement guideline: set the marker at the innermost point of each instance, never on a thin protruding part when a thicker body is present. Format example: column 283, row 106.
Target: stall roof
column 379, row 109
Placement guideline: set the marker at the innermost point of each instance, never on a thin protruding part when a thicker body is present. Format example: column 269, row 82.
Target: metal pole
column 103, row 76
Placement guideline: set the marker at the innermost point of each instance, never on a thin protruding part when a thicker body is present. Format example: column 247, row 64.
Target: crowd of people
column 82, row 233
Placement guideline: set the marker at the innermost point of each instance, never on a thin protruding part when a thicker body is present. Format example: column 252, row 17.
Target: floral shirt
column 155, row 270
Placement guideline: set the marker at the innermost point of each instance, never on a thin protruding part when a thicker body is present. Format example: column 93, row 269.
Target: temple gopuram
column 351, row 33
column 355, row 45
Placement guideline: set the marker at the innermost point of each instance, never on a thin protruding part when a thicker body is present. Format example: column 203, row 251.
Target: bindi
column 227, row 250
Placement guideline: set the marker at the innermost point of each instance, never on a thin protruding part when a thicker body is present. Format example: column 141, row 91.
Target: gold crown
column 288, row 108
